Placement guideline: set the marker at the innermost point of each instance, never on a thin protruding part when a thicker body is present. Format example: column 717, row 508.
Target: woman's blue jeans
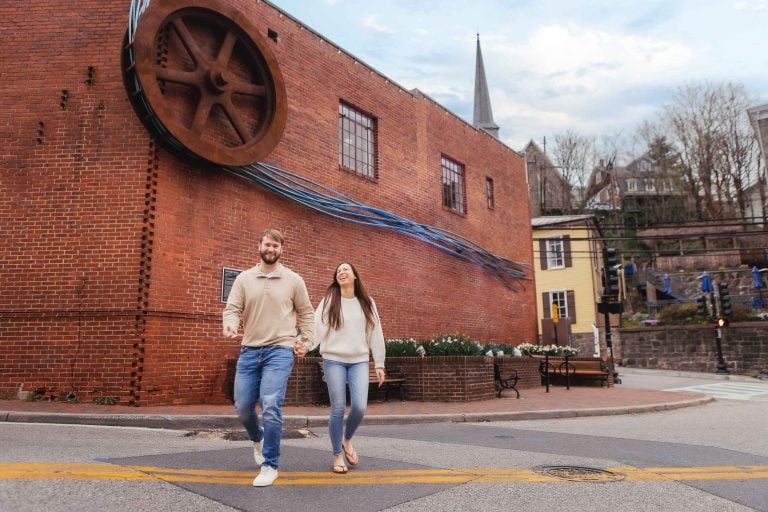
column 262, row 375
column 337, row 375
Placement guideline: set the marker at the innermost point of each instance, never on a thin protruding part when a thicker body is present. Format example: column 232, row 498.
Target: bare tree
column 708, row 126
column 740, row 146
column 573, row 155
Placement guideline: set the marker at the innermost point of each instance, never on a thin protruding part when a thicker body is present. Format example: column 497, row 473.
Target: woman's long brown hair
column 332, row 305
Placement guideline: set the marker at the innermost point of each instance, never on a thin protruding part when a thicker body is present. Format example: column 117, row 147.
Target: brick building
column 113, row 247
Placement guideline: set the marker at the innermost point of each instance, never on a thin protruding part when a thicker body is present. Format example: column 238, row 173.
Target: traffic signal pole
column 721, row 367
column 721, row 323
column 608, row 336
column 610, row 300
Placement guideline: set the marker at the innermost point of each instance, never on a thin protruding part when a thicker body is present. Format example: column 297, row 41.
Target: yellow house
column 568, row 271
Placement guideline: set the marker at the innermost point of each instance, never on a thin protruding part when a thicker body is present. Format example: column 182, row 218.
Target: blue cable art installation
column 330, row 202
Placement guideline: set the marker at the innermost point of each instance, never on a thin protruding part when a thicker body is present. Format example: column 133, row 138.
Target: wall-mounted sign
column 228, row 276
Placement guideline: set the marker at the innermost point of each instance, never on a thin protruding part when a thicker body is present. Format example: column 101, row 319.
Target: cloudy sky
column 597, row 67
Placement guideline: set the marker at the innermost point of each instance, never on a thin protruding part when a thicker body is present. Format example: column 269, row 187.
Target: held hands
column 301, row 347
column 380, row 376
column 231, row 333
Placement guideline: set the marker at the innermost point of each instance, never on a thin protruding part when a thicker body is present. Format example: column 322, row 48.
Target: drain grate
column 579, row 473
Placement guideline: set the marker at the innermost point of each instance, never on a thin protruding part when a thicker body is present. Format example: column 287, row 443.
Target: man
column 268, row 298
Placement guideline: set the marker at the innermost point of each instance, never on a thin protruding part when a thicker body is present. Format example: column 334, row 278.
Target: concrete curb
column 221, row 422
column 625, row 370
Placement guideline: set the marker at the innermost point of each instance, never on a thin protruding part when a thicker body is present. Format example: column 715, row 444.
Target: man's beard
column 269, row 258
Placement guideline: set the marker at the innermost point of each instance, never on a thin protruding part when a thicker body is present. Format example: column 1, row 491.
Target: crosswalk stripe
column 730, row 390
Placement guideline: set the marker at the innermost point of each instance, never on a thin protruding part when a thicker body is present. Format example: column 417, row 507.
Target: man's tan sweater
column 269, row 306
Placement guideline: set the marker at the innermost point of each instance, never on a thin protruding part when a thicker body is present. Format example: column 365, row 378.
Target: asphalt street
column 710, row 457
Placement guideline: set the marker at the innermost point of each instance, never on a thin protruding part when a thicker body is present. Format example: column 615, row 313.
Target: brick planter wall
column 447, row 378
column 428, row 379
column 304, row 384
column 693, row 348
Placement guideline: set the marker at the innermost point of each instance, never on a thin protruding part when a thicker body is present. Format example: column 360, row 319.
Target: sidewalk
column 535, row 404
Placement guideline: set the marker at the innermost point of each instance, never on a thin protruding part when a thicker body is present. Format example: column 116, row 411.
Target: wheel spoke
column 201, row 114
column 249, row 89
column 235, row 119
column 189, row 42
column 225, row 52
column 178, row 76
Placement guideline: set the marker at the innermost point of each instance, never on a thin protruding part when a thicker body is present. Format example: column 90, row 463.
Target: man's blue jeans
column 337, row 375
column 262, row 375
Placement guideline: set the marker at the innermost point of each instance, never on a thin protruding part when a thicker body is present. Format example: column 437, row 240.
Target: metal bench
column 507, row 382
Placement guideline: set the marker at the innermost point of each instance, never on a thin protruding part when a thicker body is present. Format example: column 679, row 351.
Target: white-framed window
column 650, row 186
column 558, row 300
column 555, row 253
column 631, row 185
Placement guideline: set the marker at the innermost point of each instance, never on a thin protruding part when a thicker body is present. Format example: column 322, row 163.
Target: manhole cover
column 579, row 473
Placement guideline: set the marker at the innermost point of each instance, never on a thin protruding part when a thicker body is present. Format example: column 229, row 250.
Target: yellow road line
column 393, row 477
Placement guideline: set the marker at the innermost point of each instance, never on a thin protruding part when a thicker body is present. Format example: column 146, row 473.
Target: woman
column 348, row 330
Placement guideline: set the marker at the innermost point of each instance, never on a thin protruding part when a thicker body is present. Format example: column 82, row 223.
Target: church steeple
column 482, row 116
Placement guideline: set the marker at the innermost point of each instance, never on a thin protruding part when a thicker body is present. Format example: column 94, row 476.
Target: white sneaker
column 266, row 477
column 258, row 450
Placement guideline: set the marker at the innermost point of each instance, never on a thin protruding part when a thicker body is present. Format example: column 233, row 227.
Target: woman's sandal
column 340, row 469
column 351, row 455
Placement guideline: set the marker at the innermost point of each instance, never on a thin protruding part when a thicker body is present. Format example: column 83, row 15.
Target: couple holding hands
column 270, row 300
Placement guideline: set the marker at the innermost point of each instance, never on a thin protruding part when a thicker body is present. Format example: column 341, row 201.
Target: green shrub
column 453, row 345
column 401, row 347
column 680, row 314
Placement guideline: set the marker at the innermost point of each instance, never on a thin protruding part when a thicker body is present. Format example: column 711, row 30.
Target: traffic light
column 725, row 299
column 701, row 305
column 722, row 321
column 612, row 266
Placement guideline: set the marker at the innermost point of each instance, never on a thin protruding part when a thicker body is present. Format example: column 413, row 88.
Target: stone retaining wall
column 693, row 348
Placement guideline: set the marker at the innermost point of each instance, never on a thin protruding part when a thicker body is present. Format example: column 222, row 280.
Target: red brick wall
column 113, row 248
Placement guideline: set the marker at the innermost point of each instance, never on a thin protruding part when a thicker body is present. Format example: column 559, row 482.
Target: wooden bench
column 502, row 383
column 590, row 369
column 393, row 380
column 576, row 369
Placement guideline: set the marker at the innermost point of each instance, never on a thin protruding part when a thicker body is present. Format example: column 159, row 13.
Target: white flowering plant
column 567, row 351
column 402, row 347
column 453, row 345
column 498, row 349
column 528, row 349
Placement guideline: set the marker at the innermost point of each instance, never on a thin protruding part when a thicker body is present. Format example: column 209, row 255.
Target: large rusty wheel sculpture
column 204, row 81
